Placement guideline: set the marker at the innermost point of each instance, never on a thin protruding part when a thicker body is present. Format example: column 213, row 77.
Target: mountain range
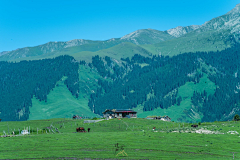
column 106, row 67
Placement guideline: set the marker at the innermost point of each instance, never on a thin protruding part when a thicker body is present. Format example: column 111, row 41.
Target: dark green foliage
column 128, row 84
column 236, row 117
column 108, row 60
column 132, row 89
column 153, row 85
column 99, row 64
column 179, row 99
column 19, row 82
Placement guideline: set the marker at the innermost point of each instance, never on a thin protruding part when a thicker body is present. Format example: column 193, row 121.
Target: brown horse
column 80, row 129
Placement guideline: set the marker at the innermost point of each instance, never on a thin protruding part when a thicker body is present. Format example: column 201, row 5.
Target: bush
column 236, row 117
column 95, row 118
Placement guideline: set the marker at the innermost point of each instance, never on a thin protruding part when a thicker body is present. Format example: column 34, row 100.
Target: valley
column 155, row 72
column 89, row 81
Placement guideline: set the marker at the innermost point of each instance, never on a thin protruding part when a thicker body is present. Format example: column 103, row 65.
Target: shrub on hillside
column 236, row 117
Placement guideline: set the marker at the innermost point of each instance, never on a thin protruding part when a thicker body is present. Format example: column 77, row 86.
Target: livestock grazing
column 194, row 126
column 154, row 128
column 80, row 129
column 88, row 129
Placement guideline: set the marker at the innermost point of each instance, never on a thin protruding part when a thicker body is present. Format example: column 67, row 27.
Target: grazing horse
column 194, row 126
column 80, row 129
column 88, row 129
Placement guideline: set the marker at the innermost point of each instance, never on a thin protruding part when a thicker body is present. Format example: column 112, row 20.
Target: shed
column 163, row 118
column 24, row 132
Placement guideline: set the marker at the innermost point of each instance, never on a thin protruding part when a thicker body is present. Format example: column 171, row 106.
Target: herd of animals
column 81, row 129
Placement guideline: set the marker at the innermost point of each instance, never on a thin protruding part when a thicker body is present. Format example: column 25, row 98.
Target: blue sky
column 34, row 22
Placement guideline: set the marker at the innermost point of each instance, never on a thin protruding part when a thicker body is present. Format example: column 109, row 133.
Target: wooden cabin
column 119, row 113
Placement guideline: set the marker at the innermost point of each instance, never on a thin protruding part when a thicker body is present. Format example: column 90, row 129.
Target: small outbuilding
column 163, row 118
column 119, row 113
column 24, row 132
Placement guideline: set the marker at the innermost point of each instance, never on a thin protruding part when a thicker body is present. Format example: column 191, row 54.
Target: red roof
column 125, row 111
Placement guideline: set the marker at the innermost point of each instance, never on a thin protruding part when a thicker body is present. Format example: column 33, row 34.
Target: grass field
column 170, row 140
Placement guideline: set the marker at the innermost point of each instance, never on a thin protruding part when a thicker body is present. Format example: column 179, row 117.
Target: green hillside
column 60, row 103
column 159, row 72
column 53, row 49
column 88, row 81
column 117, row 49
column 192, row 42
column 186, row 92
column 122, row 50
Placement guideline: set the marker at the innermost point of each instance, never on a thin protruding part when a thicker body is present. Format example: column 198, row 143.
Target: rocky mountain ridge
column 228, row 24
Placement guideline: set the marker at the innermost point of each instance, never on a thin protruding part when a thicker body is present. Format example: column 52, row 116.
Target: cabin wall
column 133, row 115
column 119, row 115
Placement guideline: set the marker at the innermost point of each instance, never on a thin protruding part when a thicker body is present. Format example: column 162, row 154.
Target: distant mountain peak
column 179, row 31
column 132, row 35
column 146, row 36
column 137, row 33
column 236, row 9
column 75, row 42
column 229, row 21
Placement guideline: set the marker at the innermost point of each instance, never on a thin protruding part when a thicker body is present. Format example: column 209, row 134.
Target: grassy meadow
column 170, row 140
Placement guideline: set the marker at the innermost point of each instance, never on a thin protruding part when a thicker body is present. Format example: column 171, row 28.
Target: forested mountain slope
column 190, row 73
column 202, row 86
column 20, row 82
column 156, row 85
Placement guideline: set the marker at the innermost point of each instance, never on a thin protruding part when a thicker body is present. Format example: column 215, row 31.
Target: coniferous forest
column 21, row 81
column 151, row 81
column 163, row 75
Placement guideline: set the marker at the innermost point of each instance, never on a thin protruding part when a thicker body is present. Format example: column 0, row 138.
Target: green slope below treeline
column 186, row 91
column 60, row 103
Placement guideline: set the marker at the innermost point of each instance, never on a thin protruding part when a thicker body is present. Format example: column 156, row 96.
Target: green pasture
column 170, row 140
